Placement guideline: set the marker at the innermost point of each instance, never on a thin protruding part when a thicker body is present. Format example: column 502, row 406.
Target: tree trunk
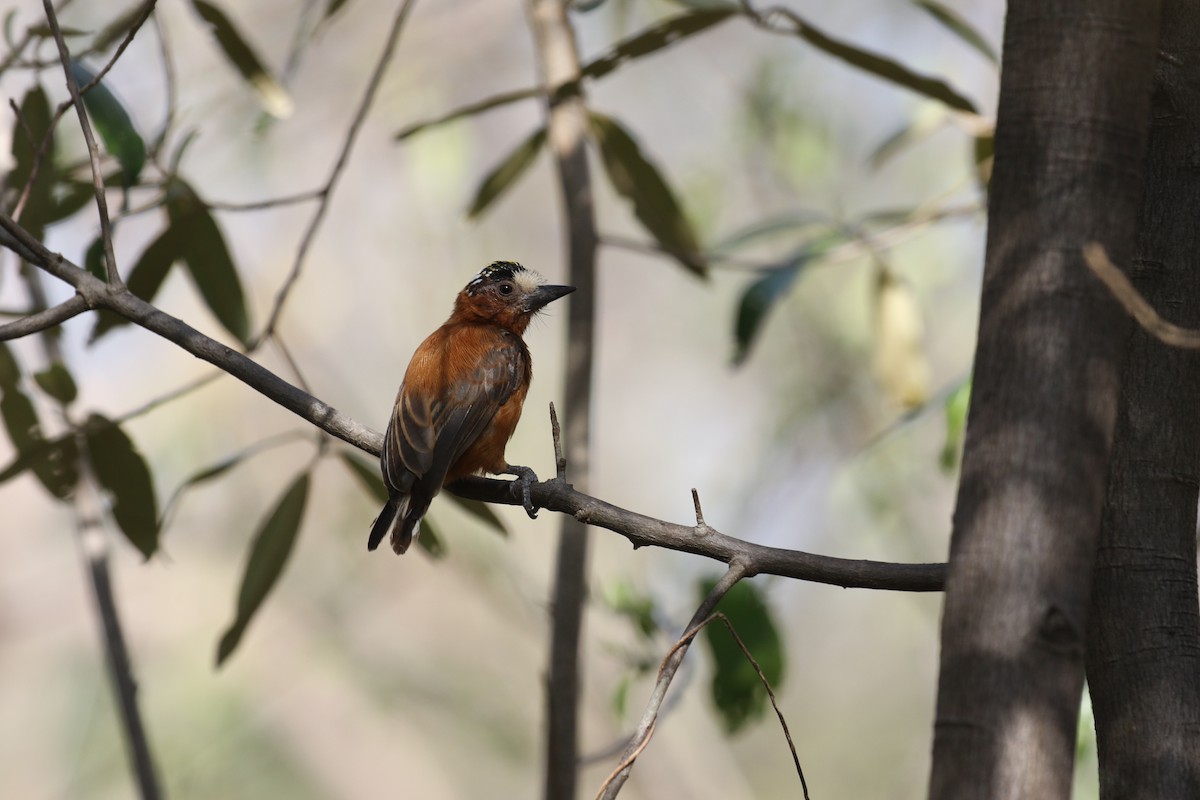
column 1070, row 146
column 1143, row 658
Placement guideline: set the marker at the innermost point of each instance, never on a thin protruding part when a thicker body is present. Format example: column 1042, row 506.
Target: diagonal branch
column 1134, row 303
column 47, row 318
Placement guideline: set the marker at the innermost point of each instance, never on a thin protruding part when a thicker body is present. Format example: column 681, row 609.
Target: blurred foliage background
column 810, row 387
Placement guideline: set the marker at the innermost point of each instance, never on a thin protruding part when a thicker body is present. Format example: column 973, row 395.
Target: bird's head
column 508, row 294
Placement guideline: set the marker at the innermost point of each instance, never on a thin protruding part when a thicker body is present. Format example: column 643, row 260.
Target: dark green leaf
column 653, row 39
column 122, row 471
column 112, row 122
column 957, row 405
column 332, row 8
column 638, row 180
column 763, row 293
column 368, row 475
column 146, row 277
column 268, row 554
column 985, row 152
column 507, row 172
column 954, row 22
column 207, row 258
column 480, row 510
column 57, row 382
column 274, row 98
column 469, row 110
column 737, row 691
column 94, row 259
column 10, row 371
column 52, row 462
column 42, row 31
column 70, row 197
column 28, row 134
column 882, row 67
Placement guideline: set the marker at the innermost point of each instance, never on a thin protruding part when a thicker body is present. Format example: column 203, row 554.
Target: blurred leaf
column 369, row 476
column 274, row 98
column 57, row 382
column 146, row 277
column 42, row 31
column 507, row 172
column 637, row 179
column 118, row 28
column 112, row 122
column 906, row 136
column 93, row 259
column 638, row 608
column 122, row 471
column 480, row 510
column 900, row 362
column 27, row 135
column 882, row 67
column 661, row 35
column 957, row 405
column 10, row 371
column 738, row 693
column 268, row 554
column 620, row 696
column 985, row 154
column 52, row 462
column 332, row 7
column 487, row 104
column 70, row 197
column 762, row 294
column 954, row 22
column 768, row 229
column 207, row 258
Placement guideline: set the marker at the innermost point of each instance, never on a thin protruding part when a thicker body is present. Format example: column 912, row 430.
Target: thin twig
column 173, row 394
column 275, row 202
column 1134, row 303
column 47, row 318
column 326, row 193
column 169, row 87
column 666, row 673
column 110, row 265
column 495, row 101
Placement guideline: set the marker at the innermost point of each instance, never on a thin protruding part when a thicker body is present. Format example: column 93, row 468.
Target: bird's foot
column 526, row 478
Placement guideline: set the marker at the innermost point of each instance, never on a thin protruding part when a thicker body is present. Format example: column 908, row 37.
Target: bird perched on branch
column 461, row 398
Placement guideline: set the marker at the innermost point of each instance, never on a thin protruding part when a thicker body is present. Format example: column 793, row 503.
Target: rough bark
column 1143, row 658
column 1070, row 146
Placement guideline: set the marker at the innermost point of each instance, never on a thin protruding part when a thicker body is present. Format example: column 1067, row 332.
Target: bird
column 461, row 398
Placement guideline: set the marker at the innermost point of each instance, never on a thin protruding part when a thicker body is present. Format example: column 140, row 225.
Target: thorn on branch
column 560, row 461
column 701, row 525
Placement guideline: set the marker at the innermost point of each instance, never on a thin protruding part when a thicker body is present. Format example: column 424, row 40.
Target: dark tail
column 409, row 523
column 384, row 521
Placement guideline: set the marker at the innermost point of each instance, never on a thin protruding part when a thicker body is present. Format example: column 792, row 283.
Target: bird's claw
column 526, row 478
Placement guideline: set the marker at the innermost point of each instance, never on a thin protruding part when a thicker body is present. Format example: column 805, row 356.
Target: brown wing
column 429, row 430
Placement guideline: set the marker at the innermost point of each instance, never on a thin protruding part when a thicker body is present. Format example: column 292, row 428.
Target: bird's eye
column 506, row 288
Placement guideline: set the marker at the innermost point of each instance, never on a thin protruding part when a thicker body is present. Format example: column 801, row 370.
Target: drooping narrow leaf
column 763, row 293
column 984, row 154
column 507, row 173
column 27, row 135
column 268, row 554
column 207, row 257
column 112, row 122
column 57, row 382
column 665, row 33
column 122, row 471
column 55, row 471
column 429, row 539
column 146, row 277
column 954, row 22
column 274, row 98
column 479, row 510
column 956, row 424
column 900, row 364
column 638, row 180
column 737, row 691
column 882, row 67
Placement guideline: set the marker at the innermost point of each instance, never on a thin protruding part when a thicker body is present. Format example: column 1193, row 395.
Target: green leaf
column 635, row 606
column 957, row 405
column 656, row 38
column 146, row 277
column 480, row 510
column 882, row 67
column 369, row 476
column 53, row 462
column 620, row 696
column 654, row 204
column 57, row 382
column 954, row 22
column 112, row 122
column 737, row 692
column 507, row 172
column 763, row 293
column 94, row 259
column 28, row 133
column 268, row 554
column 122, row 471
column 332, row 7
column 207, row 258
column 70, row 197
column 10, row 371
column 274, row 98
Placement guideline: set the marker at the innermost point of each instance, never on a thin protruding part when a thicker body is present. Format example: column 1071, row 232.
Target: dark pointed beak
column 544, row 295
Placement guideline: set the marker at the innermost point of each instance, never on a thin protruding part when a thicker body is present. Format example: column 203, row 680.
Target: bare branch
column 274, row 202
column 47, row 318
column 85, row 125
column 327, row 192
column 502, row 99
column 666, row 673
column 1133, row 302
